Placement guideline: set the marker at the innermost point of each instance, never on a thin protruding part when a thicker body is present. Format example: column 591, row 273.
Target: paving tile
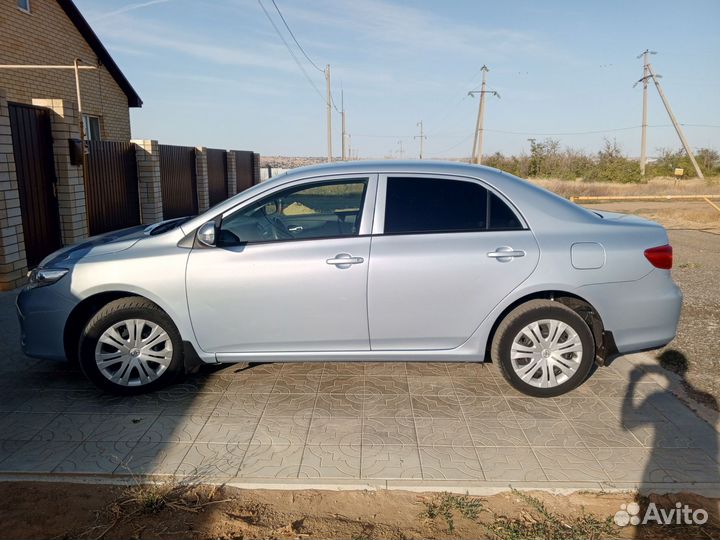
column 385, row 368
column 341, row 384
column 632, row 408
column 97, row 457
column 661, row 434
column 510, row 464
column 20, row 426
column 391, row 462
column 538, row 409
column 605, row 434
column 296, row 384
column 688, row 465
column 476, row 387
column 251, row 383
column 154, row 458
column 176, row 429
column 228, row 429
column 431, row 386
column 291, row 405
column 241, row 404
column 469, row 370
column 335, row 431
column 570, row 465
column 188, row 403
column 37, row 456
column 343, row 369
column 307, row 369
column 485, row 407
column 582, row 408
column 442, row 432
column 12, row 399
column 505, row 432
column 207, row 460
column 330, row 461
column 450, row 463
column 426, row 369
column 388, row 431
column 71, row 427
column 435, row 407
column 8, row 448
column 271, row 461
column 281, row 431
column 122, row 427
column 387, row 406
column 605, row 388
column 199, row 383
column 47, row 402
column 630, row 465
column 376, row 384
column 337, row 405
column 560, row 433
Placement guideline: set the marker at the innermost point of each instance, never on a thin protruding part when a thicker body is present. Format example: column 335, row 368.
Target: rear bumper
column 641, row 314
column 42, row 313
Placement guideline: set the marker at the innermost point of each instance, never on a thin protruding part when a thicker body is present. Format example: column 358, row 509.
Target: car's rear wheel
column 543, row 348
column 131, row 346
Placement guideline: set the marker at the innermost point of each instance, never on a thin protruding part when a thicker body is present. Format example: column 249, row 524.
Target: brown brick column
column 147, row 154
column 70, row 183
column 201, row 175
column 231, row 173
column 13, row 265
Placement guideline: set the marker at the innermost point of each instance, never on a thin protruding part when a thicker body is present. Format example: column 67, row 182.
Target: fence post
column 147, row 155
column 70, row 181
column 13, row 264
column 201, row 176
column 231, row 173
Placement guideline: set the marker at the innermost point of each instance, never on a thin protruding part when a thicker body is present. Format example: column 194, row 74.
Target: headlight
column 45, row 276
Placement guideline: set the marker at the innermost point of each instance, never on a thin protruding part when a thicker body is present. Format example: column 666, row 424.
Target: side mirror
column 206, row 234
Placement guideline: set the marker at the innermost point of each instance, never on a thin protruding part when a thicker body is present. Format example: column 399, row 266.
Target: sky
column 216, row 73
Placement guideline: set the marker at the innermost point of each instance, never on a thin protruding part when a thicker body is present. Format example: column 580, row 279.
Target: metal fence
column 111, row 186
column 178, row 181
column 217, row 175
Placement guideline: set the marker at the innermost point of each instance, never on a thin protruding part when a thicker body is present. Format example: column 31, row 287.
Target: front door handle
column 505, row 254
column 344, row 260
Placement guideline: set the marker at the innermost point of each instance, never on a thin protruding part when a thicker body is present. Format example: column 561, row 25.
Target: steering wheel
column 278, row 227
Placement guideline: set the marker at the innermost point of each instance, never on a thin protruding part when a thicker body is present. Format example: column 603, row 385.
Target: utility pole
column 643, row 138
column 422, row 137
column 350, row 152
column 478, row 140
column 674, row 121
column 401, row 151
column 328, row 98
column 342, row 113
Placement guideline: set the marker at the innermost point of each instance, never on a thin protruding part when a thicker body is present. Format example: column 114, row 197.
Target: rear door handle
column 505, row 254
column 344, row 260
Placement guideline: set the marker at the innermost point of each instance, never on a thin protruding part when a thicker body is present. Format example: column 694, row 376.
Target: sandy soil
column 55, row 510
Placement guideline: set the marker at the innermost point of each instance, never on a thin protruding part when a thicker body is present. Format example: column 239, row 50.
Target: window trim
column 88, row 131
column 367, row 206
column 379, row 221
column 28, row 10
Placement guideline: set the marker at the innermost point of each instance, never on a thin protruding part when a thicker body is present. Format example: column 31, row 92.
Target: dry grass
column 655, row 186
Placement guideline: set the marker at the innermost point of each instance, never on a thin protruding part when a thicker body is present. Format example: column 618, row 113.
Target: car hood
column 101, row 244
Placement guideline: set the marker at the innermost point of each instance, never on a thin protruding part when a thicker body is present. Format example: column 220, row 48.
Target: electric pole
column 328, row 98
column 401, row 151
column 342, row 114
column 478, row 140
column 643, row 137
column 422, row 137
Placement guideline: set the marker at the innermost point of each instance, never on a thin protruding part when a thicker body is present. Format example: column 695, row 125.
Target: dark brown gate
column 178, row 181
column 111, row 189
column 217, row 175
column 35, row 169
column 244, row 164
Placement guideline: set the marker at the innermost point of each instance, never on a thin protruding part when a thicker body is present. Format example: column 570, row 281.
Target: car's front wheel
column 543, row 348
column 131, row 346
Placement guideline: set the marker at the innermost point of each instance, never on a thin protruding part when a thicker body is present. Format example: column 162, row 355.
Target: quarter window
column 430, row 205
column 322, row 210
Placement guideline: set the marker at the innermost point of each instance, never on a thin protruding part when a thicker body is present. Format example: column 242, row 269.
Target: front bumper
column 43, row 312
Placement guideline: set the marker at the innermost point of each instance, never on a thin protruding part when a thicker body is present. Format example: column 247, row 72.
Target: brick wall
column 47, row 36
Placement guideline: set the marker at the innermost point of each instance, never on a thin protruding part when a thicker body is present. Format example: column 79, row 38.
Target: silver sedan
column 388, row 260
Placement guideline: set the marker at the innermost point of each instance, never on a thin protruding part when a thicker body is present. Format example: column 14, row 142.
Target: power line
column 295, row 39
column 287, row 46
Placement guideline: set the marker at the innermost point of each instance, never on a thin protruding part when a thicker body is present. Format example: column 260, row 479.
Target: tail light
column 660, row 257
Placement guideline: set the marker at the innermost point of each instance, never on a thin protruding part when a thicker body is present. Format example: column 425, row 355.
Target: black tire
column 132, row 307
column 525, row 314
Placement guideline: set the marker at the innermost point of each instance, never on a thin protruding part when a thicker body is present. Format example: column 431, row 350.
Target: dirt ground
column 53, row 510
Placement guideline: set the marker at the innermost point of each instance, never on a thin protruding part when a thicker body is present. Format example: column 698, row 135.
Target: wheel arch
column 603, row 340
